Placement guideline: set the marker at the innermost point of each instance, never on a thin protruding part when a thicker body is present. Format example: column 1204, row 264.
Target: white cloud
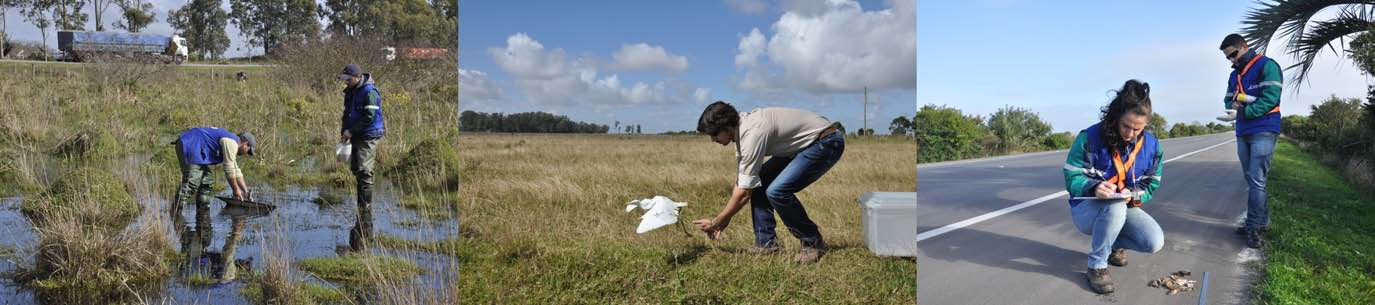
column 550, row 78
column 840, row 49
column 748, row 7
column 475, row 88
column 643, row 56
column 751, row 46
column 701, row 95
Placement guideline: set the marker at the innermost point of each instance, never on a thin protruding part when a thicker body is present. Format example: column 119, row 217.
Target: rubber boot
column 361, row 234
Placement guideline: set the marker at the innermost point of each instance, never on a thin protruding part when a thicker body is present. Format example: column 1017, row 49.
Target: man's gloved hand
column 1231, row 115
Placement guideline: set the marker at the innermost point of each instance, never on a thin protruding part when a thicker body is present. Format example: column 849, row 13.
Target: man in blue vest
column 1253, row 91
column 362, row 127
column 199, row 148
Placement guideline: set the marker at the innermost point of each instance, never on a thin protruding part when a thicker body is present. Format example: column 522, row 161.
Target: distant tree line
column 1195, row 129
column 269, row 24
column 945, row 133
column 526, row 122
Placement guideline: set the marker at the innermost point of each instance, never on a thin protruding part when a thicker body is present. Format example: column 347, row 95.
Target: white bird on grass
column 660, row 211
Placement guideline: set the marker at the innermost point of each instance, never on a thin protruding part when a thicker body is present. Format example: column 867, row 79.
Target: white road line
column 990, row 215
column 986, row 159
column 1198, row 151
column 987, row 216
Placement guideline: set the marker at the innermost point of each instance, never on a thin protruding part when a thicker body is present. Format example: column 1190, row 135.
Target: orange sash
column 1120, row 180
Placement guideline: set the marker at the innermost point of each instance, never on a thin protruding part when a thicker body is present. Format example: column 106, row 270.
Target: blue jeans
column 1255, row 151
column 1114, row 226
column 781, row 178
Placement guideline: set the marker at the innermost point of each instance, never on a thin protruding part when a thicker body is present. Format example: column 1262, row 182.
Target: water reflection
column 203, row 263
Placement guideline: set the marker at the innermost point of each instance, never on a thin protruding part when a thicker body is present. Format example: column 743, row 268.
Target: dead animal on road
column 1175, row 283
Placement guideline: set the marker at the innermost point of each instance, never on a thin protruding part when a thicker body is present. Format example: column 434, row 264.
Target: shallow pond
column 309, row 229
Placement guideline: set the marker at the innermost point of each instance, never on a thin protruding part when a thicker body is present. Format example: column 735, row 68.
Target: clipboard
column 1119, row 196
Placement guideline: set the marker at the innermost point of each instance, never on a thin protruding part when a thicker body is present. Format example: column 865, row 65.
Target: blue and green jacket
column 1263, row 81
column 201, row 145
column 1090, row 162
column 363, row 110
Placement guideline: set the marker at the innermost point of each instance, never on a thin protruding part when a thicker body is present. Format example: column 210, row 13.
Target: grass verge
column 1320, row 249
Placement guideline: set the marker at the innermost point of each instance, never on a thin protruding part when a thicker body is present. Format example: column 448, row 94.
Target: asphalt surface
column 998, row 231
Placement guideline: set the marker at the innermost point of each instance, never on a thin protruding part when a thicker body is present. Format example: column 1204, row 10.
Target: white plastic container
column 342, row 151
column 890, row 222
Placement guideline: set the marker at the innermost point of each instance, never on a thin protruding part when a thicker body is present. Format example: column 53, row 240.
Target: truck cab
column 178, row 48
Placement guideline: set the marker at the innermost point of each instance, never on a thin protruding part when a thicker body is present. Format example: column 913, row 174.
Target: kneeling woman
column 1113, row 168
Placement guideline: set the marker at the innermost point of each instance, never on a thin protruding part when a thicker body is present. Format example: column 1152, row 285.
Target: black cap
column 351, row 70
column 252, row 141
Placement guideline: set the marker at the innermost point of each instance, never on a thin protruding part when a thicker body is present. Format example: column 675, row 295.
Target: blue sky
column 659, row 63
column 1060, row 58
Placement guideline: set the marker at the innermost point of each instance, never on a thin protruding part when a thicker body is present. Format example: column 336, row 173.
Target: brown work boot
column 811, row 254
column 1118, row 257
column 1099, row 280
column 764, row 250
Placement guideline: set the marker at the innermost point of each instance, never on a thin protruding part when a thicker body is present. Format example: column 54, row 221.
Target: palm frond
column 1322, row 35
column 1285, row 18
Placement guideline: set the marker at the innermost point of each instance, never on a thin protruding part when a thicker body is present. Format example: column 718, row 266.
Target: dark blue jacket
column 1090, row 162
column 201, row 145
column 363, row 110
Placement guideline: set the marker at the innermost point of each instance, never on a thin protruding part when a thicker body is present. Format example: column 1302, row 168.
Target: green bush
column 944, row 133
column 1017, row 129
column 1335, row 123
column 1058, row 141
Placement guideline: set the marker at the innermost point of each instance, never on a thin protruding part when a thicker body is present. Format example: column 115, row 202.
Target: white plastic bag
column 342, row 151
column 659, row 211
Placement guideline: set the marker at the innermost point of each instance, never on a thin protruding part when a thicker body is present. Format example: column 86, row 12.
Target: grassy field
column 132, row 112
column 543, row 222
column 1320, row 250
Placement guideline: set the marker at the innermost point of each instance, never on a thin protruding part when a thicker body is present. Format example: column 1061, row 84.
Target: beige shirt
column 231, row 150
column 774, row 132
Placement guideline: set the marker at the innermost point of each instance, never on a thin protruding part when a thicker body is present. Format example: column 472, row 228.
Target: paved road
column 997, row 231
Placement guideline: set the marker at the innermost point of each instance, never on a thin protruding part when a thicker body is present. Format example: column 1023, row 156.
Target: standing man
column 361, row 126
column 802, row 147
column 198, row 149
column 1253, row 91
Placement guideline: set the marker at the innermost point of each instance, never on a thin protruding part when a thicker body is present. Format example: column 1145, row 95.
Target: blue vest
column 1100, row 158
column 1251, row 85
column 201, row 145
column 356, row 103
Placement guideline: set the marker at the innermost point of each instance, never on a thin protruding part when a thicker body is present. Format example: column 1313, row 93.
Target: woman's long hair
column 1134, row 98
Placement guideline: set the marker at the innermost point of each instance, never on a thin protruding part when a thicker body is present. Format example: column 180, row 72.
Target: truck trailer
column 83, row 46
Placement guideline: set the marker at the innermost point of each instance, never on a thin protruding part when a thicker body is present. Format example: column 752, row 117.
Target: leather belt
column 825, row 133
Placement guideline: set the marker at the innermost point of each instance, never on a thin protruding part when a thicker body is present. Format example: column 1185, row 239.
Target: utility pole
column 866, row 110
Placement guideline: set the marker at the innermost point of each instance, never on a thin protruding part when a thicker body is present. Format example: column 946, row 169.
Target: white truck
column 83, row 46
